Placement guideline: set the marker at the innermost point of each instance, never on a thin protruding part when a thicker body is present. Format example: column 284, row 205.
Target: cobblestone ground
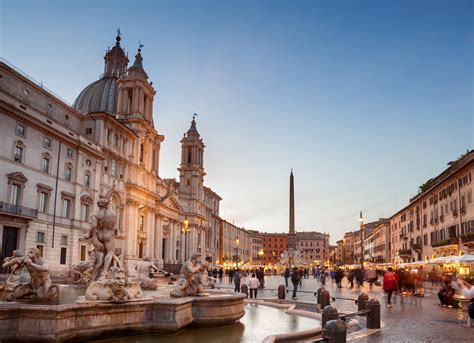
column 409, row 320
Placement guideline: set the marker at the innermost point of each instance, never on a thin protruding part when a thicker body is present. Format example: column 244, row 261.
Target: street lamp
column 361, row 225
column 185, row 230
column 237, row 241
column 260, row 255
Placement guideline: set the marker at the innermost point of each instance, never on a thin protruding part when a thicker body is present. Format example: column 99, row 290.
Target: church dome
column 102, row 95
column 99, row 96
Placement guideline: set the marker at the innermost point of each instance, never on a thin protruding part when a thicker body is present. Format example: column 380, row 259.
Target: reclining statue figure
column 40, row 285
column 190, row 282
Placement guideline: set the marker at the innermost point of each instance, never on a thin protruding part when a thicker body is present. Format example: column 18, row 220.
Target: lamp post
column 237, row 241
column 185, row 230
column 361, row 225
column 260, row 255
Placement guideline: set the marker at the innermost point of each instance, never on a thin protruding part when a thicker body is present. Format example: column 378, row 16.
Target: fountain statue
column 40, row 286
column 144, row 268
column 18, row 274
column 291, row 258
column 103, row 273
column 190, row 279
column 114, row 288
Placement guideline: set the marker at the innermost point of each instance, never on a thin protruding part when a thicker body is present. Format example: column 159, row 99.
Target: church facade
column 58, row 159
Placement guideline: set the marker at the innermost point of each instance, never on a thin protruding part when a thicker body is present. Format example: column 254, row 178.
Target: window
column 141, row 223
column 189, row 155
column 112, row 168
column 62, row 258
column 122, row 170
column 116, row 140
column 64, row 240
column 47, row 143
column 68, row 172
column 45, row 164
column 18, row 153
column 109, row 136
column 43, row 202
column 142, row 153
column 87, row 179
column 88, row 131
column 188, row 182
column 66, row 208
column 15, row 193
column 83, row 253
column 70, row 153
column 85, row 212
column 88, row 163
column 20, row 130
column 106, row 166
column 40, row 237
column 469, row 197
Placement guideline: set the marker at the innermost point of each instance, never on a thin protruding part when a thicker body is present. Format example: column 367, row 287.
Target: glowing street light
column 361, row 225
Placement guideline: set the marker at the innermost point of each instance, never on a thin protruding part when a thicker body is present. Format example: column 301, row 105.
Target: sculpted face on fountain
column 117, row 280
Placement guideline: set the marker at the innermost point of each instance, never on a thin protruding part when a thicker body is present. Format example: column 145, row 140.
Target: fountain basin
column 56, row 323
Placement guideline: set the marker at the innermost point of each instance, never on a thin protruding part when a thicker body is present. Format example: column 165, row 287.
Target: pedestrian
column 338, row 277
column 300, row 272
column 295, row 280
column 350, row 278
column 287, row 276
column 221, row 273
column 253, row 284
column 468, row 291
column 389, row 284
column 322, row 277
column 237, row 277
column 231, row 275
column 359, row 277
column 370, row 276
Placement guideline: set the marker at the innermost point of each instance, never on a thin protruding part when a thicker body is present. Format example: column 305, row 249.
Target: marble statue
column 101, row 235
column 291, row 258
column 113, row 287
column 144, row 268
column 190, row 279
column 40, row 285
column 103, row 273
column 18, row 273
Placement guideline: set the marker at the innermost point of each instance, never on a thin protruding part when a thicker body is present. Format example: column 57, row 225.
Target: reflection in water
column 259, row 322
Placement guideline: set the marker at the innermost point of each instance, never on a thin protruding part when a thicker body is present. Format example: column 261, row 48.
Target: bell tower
column 191, row 170
column 135, row 100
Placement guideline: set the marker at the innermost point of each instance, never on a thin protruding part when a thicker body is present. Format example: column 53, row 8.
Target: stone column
column 149, row 233
column 158, row 238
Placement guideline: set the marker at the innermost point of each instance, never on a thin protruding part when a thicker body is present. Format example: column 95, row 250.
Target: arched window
column 87, row 179
column 142, row 152
column 68, row 171
column 45, row 162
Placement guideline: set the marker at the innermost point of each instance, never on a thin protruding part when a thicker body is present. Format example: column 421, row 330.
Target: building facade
column 313, row 247
column 439, row 220
column 60, row 158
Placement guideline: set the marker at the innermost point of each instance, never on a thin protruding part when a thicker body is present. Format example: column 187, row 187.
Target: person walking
column 253, row 284
column 221, row 272
column 371, row 276
column 338, row 277
column 322, row 277
column 295, row 280
column 287, row 276
column 237, row 277
column 350, row 278
column 389, row 284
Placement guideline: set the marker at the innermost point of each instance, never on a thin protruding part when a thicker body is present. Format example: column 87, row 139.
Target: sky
column 365, row 100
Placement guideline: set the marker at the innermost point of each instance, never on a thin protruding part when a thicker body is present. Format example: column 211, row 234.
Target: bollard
column 329, row 313
column 281, row 292
column 324, row 298
column 318, row 295
column 244, row 289
column 335, row 331
column 373, row 317
column 361, row 301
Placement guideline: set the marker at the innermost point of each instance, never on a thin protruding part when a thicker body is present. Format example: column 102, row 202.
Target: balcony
column 416, row 246
column 462, row 210
column 468, row 240
column 16, row 210
column 445, row 243
column 404, row 252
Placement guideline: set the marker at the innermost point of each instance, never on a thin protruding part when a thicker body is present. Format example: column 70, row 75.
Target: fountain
column 112, row 303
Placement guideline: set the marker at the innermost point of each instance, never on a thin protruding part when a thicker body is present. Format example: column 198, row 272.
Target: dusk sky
column 365, row 100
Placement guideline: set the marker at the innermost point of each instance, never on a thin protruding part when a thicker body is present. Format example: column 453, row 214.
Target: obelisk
column 292, row 234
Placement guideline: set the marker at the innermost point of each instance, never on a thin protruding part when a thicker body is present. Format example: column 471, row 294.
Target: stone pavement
column 410, row 319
